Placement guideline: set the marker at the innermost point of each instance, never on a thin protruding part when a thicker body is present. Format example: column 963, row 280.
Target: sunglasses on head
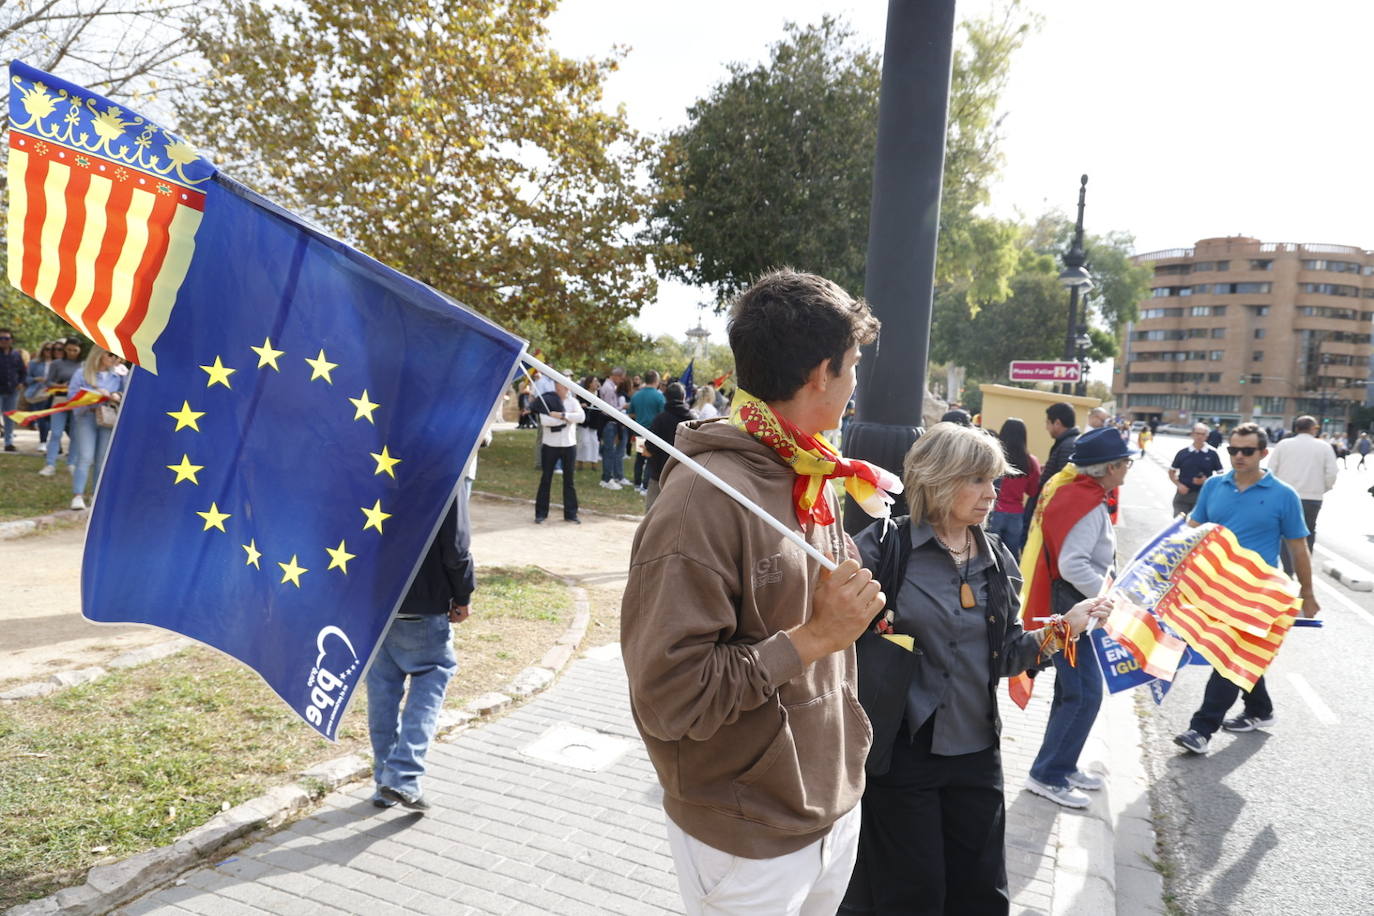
column 1246, row 450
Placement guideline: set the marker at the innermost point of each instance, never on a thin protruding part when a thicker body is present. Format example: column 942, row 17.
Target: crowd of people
column 55, row 373
column 575, row 433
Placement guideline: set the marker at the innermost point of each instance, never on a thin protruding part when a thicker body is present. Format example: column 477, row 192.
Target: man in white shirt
column 559, row 438
column 1308, row 465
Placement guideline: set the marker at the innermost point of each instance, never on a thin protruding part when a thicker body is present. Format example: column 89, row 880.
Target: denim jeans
column 59, row 425
column 612, row 452
column 423, row 651
column 9, row 402
column 1219, row 697
column 1077, row 696
column 1008, row 526
column 90, row 442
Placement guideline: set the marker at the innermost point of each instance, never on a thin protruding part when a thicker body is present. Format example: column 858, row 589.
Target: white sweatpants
column 808, row 882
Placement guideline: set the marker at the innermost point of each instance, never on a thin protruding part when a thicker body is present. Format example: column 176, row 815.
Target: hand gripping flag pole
column 715, row 481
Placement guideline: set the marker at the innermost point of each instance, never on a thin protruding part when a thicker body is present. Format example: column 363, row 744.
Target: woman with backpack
column 933, row 815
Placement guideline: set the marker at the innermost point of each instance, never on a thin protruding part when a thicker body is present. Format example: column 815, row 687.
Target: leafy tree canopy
column 445, row 139
column 1031, row 322
column 775, row 165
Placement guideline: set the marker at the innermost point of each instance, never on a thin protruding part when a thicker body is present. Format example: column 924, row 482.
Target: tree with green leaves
column 775, row 166
column 985, row 335
column 448, row 140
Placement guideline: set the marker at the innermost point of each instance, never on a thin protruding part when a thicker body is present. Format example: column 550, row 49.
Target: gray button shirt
column 951, row 678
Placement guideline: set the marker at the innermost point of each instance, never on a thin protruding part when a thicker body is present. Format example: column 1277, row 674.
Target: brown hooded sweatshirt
column 757, row 755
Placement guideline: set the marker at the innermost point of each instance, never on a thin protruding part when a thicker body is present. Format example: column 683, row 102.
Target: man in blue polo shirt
column 1260, row 510
column 1192, row 466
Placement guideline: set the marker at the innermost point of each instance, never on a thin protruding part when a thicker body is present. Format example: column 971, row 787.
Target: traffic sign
column 1030, row 370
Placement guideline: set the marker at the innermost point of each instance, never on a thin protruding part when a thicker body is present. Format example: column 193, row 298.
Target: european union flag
column 271, row 490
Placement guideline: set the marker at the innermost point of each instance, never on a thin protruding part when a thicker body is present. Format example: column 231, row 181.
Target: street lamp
column 1076, row 277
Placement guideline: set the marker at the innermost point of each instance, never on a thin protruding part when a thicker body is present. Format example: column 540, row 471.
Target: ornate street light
column 1076, row 277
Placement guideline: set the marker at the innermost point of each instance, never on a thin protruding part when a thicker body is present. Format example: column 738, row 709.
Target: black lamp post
column 1076, row 277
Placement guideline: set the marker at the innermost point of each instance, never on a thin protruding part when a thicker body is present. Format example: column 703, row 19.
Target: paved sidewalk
column 513, row 833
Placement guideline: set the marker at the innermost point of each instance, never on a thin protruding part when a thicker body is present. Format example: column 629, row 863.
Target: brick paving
column 510, row 833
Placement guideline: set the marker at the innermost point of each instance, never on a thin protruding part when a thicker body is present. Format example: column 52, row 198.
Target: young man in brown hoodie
column 739, row 648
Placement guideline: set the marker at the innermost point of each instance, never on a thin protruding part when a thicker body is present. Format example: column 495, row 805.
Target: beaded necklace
column 966, row 599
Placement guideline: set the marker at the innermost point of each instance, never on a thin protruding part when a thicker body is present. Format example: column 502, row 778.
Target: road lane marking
column 1330, row 592
column 1319, row 709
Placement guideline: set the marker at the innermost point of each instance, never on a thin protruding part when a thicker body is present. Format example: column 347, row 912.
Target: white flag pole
column 715, row 481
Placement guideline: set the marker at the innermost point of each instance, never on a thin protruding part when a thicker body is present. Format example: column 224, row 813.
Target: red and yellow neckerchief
column 815, row 461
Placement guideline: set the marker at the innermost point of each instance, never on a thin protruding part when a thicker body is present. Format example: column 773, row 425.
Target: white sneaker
column 77, row 502
column 1080, row 779
column 1067, row 796
column 47, row 471
column 610, row 485
column 624, row 483
column 71, row 469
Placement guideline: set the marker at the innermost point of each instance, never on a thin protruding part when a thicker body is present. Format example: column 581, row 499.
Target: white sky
column 1193, row 119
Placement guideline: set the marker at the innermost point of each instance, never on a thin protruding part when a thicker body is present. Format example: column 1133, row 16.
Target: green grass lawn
column 136, row 759
column 23, row 494
column 506, row 468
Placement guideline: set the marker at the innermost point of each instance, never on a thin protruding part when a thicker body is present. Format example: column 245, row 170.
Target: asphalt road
column 1276, row 822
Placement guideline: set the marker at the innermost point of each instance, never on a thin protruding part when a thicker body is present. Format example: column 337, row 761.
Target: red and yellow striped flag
column 1231, row 606
column 85, row 398
column 1158, row 652
column 103, row 213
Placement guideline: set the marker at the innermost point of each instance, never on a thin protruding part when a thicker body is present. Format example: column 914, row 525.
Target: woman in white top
column 559, row 447
column 90, row 440
column 704, row 406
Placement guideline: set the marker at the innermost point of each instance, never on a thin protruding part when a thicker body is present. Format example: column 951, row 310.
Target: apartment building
column 1235, row 329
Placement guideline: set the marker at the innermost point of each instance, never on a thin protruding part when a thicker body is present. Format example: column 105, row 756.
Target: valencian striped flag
column 271, row 489
column 103, row 212
column 1197, row 585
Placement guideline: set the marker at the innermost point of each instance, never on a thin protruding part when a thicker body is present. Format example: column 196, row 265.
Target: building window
column 1171, row 270
column 1256, row 378
column 1340, row 267
column 1265, row 264
column 1257, row 356
column 1218, row 333
column 1270, row 405
column 1323, row 311
column 1200, row 311
column 1259, row 333
column 1213, row 376
column 1161, row 313
column 1329, row 289
column 1258, row 311
column 1216, row 355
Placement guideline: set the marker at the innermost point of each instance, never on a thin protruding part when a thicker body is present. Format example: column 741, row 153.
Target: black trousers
column 549, row 458
column 933, row 834
column 1220, row 696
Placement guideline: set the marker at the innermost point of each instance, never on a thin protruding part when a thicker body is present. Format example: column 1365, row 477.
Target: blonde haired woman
column 933, row 811
column 90, row 440
column 704, row 405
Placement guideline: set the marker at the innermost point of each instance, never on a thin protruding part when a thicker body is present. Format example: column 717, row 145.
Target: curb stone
column 1343, row 575
column 74, row 676
column 22, row 526
column 114, row 884
column 582, row 510
column 1108, row 846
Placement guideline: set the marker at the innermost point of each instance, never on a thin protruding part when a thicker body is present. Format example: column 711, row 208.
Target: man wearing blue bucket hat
column 1077, row 553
